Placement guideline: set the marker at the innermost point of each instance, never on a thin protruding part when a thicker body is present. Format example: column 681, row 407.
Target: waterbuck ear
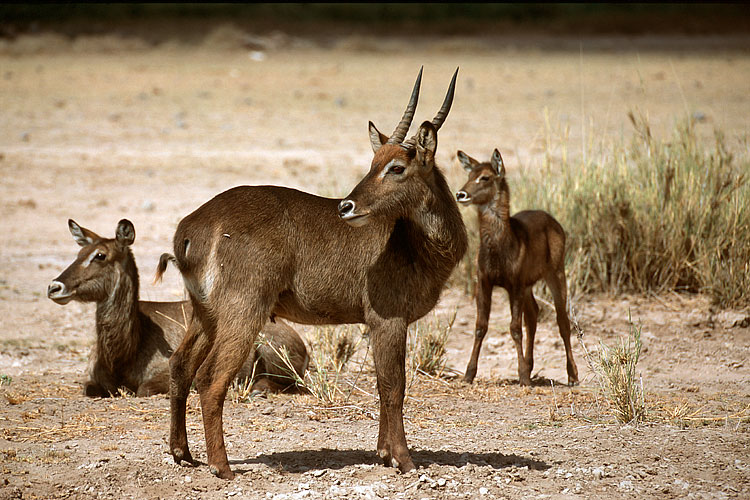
column 125, row 233
column 497, row 163
column 376, row 138
column 426, row 145
column 466, row 161
column 82, row 235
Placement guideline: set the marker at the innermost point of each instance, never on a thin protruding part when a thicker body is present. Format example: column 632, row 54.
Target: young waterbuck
column 514, row 253
column 134, row 339
column 380, row 257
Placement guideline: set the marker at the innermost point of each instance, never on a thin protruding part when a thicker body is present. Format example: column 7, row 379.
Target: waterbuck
column 514, row 253
column 380, row 257
column 134, row 339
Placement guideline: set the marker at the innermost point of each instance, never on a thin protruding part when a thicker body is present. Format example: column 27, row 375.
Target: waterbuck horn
column 442, row 114
column 447, row 102
column 403, row 127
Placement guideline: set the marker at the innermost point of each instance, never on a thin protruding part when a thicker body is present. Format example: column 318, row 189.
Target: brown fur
column 255, row 251
column 134, row 339
column 514, row 253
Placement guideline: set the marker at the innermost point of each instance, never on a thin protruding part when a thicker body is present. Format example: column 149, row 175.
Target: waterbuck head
column 486, row 179
column 402, row 172
column 96, row 272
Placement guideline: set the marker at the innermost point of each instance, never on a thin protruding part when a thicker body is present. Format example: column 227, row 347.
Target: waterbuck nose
column 462, row 196
column 346, row 207
column 55, row 288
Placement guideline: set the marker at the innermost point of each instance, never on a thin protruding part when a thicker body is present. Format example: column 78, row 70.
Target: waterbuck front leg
column 530, row 317
column 183, row 364
column 389, row 353
column 516, row 311
column 102, row 383
column 484, row 305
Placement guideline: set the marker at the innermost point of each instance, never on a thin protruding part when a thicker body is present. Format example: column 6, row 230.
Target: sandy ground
column 94, row 133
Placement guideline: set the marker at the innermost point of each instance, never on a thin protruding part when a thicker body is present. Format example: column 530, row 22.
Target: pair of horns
column 403, row 127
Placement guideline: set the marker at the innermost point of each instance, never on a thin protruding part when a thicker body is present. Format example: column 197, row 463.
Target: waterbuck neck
column 118, row 323
column 498, row 207
column 494, row 217
column 440, row 220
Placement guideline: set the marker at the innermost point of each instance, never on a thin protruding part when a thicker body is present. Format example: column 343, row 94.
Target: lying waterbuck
column 134, row 339
column 380, row 257
column 514, row 253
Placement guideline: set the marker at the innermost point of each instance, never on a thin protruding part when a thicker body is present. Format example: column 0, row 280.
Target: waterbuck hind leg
column 516, row 313
column 530, row 317
column 183, row 365
column 263, row 385
column 236, row 333
column 558, row 287
column 389, row 353
column 484, row 305
column 158, row 384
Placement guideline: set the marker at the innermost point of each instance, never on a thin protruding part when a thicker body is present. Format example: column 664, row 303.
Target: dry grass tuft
column 331, row 350
column 426, row 347
column 615, row 371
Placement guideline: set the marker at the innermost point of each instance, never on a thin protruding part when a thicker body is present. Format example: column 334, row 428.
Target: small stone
column 257, row 56
column 625, row 485
column 483, row 491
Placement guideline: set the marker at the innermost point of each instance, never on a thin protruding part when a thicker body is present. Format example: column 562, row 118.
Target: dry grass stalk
column 615, row 372
column 427, row 353
column 331, row 350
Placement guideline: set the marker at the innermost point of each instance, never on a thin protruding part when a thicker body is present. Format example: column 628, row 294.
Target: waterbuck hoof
column 405, row 466
column 469, row 379
column 179, row 455
column 385, row 456
column 223, row 473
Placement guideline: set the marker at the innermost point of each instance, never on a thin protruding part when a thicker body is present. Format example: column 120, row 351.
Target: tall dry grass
column 648, row 215
column 615, row 371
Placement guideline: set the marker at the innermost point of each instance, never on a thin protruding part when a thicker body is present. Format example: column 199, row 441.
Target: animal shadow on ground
column 307, row 460
column 536, row 381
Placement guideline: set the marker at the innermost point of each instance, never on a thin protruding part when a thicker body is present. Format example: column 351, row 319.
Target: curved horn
column 403, row 127
column 446, row 107
column 442, row 114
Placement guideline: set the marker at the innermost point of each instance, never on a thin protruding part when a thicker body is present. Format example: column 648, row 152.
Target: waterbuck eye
column 396, row 169
column 99, row 256
column 484, row 178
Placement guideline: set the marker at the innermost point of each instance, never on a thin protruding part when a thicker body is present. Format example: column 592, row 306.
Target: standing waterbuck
column 514, row 253
column 380, row 257
column 134, row 339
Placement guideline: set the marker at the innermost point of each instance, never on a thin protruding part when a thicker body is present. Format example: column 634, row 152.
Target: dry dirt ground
column 104, row 128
